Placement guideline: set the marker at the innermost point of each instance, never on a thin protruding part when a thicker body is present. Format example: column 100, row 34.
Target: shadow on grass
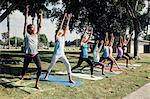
column 8, row 85
column 7, row 69
column 144, row 62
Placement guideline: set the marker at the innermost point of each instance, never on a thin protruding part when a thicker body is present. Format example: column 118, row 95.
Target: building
column 143, row 46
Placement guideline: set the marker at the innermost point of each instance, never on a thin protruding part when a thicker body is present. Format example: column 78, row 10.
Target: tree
column 43, row 39
column 104, row 15
column 34, row 6
column 133, row 8
column 107, row 15
column 1, row 42
column 16, row 41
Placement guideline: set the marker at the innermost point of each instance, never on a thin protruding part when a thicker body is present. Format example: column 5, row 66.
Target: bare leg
column 101, row 64
column 111, row 63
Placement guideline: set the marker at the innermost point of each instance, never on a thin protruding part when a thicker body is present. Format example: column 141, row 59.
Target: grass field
column 114, row 87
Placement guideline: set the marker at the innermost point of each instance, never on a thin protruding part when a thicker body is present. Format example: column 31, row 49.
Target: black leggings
column 28, row 59
column 125, row 57
column 111, row 61
column 80, row 62
column 126, row 54
column 96, row 63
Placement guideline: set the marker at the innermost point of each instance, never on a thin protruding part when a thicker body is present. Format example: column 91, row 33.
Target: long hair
column 82, row 36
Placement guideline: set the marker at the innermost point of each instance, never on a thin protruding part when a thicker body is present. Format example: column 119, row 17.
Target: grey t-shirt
column 31, row 44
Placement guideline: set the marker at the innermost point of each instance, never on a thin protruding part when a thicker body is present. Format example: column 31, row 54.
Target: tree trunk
column 136, row 44
column 26, row 19
column 7, row 12
column 25, row 23
column 137, row 31
column 8, row 30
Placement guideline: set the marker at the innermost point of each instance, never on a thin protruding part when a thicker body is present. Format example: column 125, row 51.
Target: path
column 141, row 93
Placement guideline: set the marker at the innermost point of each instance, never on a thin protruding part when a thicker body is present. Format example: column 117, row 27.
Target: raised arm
column 60, row 28
column 120, row 40
column 100, row 47
column 26, row 19
column 112, row 38
column 67, row 25
column 89, row 35
column 106, row 37
column 82, row 39
column 61, row 25
column 130, row 35
column 40, row 21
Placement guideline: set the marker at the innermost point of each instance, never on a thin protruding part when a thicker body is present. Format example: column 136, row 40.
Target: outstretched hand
column 65, row 14
column 91, row 30
column 106, row 33
column 69, row 16
column 112, row 35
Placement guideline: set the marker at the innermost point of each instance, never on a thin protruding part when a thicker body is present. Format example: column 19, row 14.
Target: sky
column 48, row 28
column 17, row 24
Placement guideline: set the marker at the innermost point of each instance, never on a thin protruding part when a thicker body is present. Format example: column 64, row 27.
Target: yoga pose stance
column 111, row 41
column 31, row 50
column 96, row 55
column 125, row 43
column 107, row 51
column 84, row 52
column 120, row 52
column 59, row 48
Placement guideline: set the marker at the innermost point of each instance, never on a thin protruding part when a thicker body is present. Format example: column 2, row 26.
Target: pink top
column 110, row 50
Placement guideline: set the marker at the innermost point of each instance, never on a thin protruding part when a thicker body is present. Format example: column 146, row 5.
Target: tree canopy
column 103, row 15
column 16, row 41
column 43, row 39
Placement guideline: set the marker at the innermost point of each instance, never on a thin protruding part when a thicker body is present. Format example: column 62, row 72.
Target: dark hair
column 29, row 26
column 82, row 36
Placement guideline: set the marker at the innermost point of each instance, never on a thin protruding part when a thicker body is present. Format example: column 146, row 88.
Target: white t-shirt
column 31, row 44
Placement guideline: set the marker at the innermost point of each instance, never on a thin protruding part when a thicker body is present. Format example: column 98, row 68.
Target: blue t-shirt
column 59, row 46
column 106, row 51
column 84, row 50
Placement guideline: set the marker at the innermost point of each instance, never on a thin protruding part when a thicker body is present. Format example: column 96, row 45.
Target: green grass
column 109, row 88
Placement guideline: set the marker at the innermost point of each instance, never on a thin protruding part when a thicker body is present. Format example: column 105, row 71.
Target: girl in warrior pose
column 107, row 51
column 96, row 56
column 111, row 41
column 124, row 44
column 59, row 49
column 120, row 52
column 31, row 50
column 84, row 52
